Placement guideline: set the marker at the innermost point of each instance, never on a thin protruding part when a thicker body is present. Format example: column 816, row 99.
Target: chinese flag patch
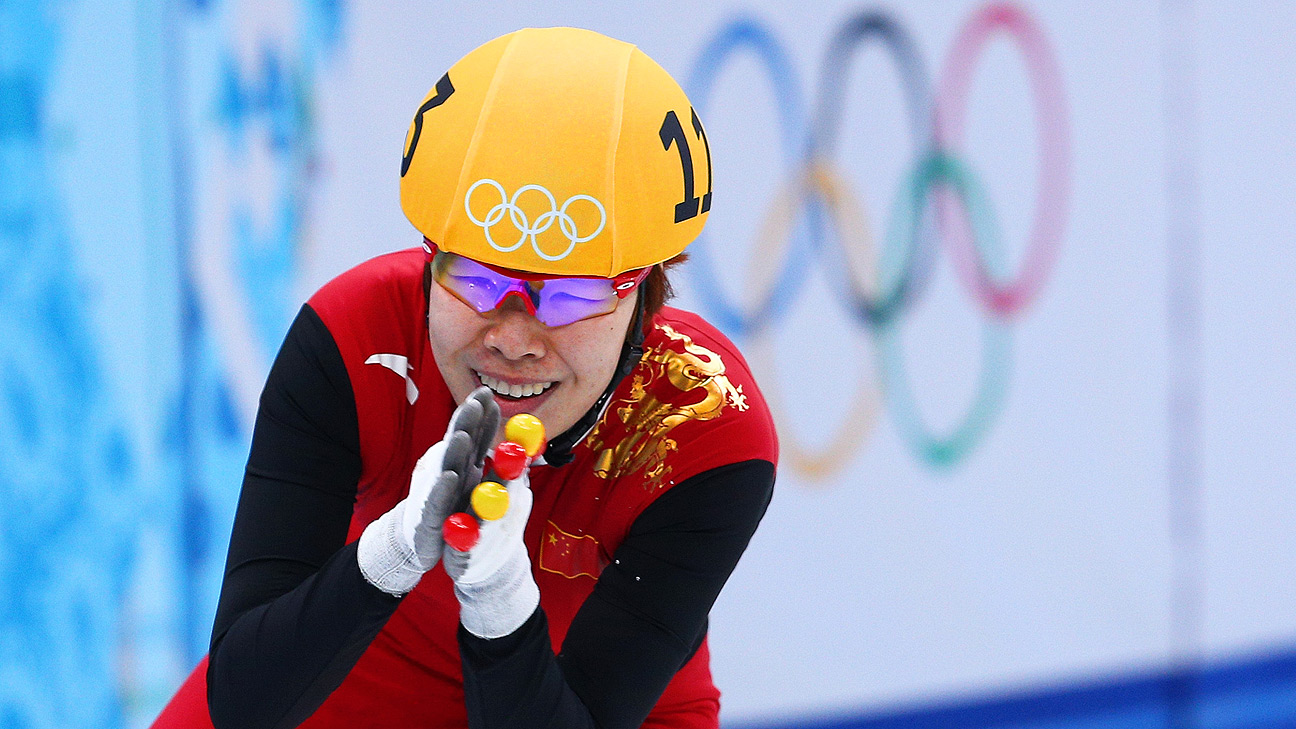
column 569, row 555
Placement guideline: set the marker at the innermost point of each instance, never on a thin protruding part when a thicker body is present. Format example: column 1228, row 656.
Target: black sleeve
column 295, row 613
column 645, row 618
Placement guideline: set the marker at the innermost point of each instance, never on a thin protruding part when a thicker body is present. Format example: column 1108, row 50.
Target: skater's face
column 555, row 373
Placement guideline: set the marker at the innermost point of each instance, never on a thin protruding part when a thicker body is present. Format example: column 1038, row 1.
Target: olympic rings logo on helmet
column 543, row 222
column 814, row 189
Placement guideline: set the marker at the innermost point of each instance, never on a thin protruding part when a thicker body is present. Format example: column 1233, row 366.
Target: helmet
column 557, row 151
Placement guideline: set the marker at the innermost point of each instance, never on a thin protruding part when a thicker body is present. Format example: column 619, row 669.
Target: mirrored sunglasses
column 553, row 300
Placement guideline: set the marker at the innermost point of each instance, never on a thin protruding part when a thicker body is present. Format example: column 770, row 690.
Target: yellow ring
column 851, row 224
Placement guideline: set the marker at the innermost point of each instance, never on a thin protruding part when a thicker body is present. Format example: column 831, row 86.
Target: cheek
column 599, row 349
column 452, row 327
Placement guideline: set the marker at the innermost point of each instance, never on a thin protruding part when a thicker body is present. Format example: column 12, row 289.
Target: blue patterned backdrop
column 117, row 513
column 66, row 531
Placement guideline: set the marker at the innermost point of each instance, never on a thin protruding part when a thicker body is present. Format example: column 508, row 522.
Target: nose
column 512, row 331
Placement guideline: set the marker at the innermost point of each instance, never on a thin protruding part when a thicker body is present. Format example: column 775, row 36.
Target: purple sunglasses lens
column 476, row 285
column 567, row 300
column 558, row 301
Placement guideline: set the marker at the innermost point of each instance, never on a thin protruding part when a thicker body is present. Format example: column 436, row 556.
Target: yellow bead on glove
column 527, row 431
column 490, row 500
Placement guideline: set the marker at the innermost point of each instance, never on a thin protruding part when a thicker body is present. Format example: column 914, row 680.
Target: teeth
column 515, row 391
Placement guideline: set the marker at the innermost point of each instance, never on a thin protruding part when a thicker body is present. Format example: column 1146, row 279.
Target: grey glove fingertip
column 486, row 434
column 484, row 399
column 458, row 453
column 482, row 395
column 466, row 416
column 483, row 428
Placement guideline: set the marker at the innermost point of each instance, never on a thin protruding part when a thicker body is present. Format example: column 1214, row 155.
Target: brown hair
column 656, row 290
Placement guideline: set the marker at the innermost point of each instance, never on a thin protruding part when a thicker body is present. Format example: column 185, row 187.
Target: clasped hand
column 492, row 579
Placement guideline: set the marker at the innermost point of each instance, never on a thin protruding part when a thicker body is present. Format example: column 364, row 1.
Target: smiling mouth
column 513, row 392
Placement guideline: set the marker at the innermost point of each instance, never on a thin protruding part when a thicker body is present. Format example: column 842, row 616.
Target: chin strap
column 559, row 450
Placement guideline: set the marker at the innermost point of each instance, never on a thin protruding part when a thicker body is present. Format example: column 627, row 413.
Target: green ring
column 942, row 451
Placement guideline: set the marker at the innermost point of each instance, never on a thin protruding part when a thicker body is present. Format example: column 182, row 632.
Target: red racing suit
column 688, row 407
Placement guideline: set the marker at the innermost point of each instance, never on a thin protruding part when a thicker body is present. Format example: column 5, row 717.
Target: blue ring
column 751, row 33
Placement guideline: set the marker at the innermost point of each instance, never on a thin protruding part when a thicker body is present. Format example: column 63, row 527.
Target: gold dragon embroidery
column 647, row 419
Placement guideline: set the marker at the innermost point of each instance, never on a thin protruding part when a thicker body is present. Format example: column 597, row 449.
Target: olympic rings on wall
column 941, row 201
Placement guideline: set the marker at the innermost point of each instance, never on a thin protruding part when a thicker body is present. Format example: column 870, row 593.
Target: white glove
column 399, row 546
column 493, row 579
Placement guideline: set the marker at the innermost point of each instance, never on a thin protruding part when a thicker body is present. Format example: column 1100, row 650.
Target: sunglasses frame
column 622, row 284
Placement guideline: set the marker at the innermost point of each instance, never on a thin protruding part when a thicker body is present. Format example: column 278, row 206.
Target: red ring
column 1047, row 228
